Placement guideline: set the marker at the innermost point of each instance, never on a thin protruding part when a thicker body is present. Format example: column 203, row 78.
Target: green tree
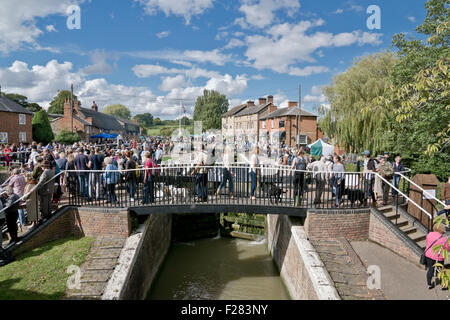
column 118, row 110
column 209, row 109
column 34, row 107
column 57, row 104
column 157, row 121
column 145, row 120
column 349, row 94
column 67, row 137
column 42, row 131
column 185, row 121
column 23, row 101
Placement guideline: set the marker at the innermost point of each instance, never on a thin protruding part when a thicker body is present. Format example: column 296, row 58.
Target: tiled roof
column 101, row 120
column 235, row 110
column 295, row 111
column 252, row 110
column 7, row 105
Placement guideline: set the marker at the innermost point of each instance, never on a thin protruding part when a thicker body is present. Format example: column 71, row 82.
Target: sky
column 152, row 55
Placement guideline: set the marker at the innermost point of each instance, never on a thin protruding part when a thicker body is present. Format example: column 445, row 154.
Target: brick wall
column 381, row 234
column 80, row 222
column 9, row 122
column 352, row 225
column 300, row 266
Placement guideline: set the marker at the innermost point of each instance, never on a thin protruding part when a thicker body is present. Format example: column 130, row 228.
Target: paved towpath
column 400, row 279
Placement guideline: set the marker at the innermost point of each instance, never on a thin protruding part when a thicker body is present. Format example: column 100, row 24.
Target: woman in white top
column 227, row 175
column 254, row 165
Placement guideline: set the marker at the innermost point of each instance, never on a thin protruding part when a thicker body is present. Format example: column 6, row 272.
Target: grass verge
column 40, row 274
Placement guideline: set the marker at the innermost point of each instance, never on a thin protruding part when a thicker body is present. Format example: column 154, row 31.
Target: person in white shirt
column 201, row 174
column 254, row 171
column 320, row 175
column 227, row 175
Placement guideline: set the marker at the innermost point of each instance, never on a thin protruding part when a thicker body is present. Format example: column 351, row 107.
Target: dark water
column 219, row 269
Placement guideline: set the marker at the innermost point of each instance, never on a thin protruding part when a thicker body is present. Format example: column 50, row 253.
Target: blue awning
column 105, row 136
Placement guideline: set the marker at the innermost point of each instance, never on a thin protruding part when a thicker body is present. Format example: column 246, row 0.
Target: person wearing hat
column 386, row 171
column 369, row 177
column 45, row 189
column 387, row 157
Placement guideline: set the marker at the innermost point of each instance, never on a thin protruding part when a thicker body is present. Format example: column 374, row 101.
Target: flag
column 182, row 107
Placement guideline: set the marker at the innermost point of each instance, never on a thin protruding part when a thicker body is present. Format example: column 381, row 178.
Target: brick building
column 242, row 121
column 90, row 122
column 282, row 124
column 15, row 122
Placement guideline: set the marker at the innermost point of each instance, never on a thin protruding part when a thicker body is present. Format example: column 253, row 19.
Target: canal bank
column 154, row 266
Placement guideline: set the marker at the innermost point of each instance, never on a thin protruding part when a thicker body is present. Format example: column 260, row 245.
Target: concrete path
column 400, row 279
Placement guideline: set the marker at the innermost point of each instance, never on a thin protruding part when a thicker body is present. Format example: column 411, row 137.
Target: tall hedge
column 42, row 131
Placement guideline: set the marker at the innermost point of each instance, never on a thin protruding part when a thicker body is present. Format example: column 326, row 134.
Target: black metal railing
column 266, row 185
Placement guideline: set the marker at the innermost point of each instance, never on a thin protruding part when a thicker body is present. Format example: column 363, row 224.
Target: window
column 3, row 137
column 22, row 137
column 281, row 124
column 272, row 123
column 264, row 124
column 22, row 119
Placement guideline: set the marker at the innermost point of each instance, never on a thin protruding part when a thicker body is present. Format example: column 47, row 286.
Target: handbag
column 423, row 260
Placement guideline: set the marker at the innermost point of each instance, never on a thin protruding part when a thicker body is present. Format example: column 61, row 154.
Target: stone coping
column 320, row 278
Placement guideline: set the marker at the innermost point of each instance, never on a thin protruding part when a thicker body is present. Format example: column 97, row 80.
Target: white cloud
column 163, row 34
column 285, row 45
column 261, row 13
column 338, row 11
column 316, row 96
column 148, row 70
column 18, row 21
column 99, row 64
column 212, row 56
column 307, row 71
column 183, row 63
column 185, row 8
column 234, row 43
column 412, row 19
column 51, row 28
column 170, row 83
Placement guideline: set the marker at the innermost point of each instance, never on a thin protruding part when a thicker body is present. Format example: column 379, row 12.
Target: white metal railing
column 420, row 188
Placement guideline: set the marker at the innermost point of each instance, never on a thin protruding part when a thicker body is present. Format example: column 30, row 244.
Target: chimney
column 67, row 107
column 292, row 104
column 250, row 104
column 94, row 107
column 262, row 101
column 76, row 105
column 270, row 99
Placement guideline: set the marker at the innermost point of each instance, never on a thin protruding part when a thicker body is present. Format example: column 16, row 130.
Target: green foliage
column 118, row 110
column 354, row 116
column 42, row 131
column 67, row 137
column 40, row 274
column 157, row 121
column 209, row 109
column 145, row 120
column 167, row 131
column 57, row 104
column 23, row 101
column 443, row 274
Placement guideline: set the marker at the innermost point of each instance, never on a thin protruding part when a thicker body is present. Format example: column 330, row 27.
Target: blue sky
column 150, row 54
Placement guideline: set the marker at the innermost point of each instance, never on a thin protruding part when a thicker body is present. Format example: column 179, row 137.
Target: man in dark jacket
column 12, row 206
column 369, row 178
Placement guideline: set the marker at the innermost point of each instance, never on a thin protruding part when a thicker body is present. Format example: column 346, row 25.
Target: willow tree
column 352, row 92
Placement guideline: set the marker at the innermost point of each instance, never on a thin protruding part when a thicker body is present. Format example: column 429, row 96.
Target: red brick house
column 90, row 122
column 283, row 122
column 15, row 122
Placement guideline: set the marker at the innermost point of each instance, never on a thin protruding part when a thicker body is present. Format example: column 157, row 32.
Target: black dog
column 275, row 193
column 354, row 195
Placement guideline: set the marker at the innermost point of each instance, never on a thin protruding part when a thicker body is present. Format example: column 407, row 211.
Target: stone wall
column 139, row 266
column 333, row 224
column 300, row 267
column 107, row 223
